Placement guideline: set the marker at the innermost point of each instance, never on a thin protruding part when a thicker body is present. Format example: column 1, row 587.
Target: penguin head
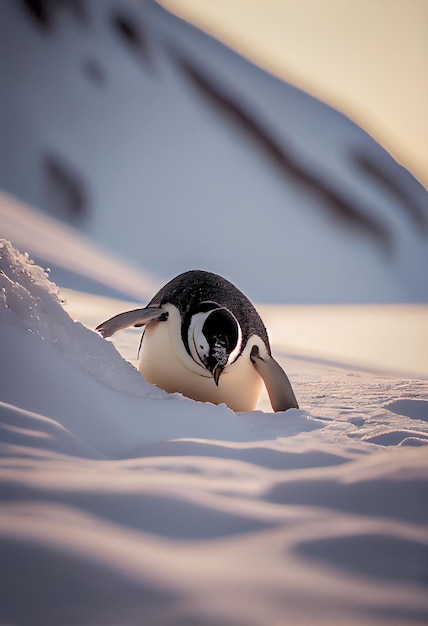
column 214, row 338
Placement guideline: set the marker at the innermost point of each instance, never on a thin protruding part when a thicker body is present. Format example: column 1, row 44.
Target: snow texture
column 136, row 147
column 121, row 504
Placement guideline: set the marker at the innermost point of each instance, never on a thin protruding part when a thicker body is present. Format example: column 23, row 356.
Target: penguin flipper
column 137, row 317
column 278, row 386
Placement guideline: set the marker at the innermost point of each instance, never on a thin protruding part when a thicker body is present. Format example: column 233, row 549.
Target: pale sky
column 368, row 58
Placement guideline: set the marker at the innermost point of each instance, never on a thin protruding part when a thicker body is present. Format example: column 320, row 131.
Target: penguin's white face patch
column 198, row 344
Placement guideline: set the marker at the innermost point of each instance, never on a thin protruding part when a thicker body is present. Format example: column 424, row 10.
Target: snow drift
column 121, row 504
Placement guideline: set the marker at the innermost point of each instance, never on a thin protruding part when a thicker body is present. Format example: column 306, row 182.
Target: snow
column 92, row 266
column 185, row 155
column 122, row 504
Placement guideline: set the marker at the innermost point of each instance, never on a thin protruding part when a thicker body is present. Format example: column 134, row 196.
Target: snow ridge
column 120, row 504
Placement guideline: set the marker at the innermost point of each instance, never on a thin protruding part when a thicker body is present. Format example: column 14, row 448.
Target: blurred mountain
column 174, row 152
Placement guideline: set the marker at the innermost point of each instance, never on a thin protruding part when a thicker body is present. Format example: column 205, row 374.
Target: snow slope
column 121, row 504
column 173, row 151
column 73, row 259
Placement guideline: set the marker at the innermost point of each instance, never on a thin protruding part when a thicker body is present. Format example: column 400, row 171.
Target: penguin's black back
column 188, row 290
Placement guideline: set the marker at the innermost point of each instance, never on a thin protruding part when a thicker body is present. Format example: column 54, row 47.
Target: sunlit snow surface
column 125, row 505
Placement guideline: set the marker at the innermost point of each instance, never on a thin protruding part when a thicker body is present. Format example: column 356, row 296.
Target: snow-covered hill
column 135, row 147
column 173, row 151
column 121, row 504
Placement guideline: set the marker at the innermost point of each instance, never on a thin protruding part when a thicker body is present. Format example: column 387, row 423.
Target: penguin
column 204, row 338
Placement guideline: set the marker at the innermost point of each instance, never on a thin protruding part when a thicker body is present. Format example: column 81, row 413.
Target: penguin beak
column 217, row 372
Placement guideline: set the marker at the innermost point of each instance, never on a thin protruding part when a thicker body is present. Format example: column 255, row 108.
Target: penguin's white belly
column 165, row 362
